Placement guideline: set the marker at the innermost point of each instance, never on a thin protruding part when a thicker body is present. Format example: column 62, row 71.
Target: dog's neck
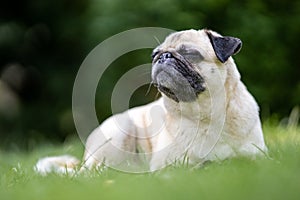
column 194, row 111
column 203, row 108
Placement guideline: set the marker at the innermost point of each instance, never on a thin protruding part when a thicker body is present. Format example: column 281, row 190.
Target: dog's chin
column 177, row 96
column 166, row 91
column 176, row 85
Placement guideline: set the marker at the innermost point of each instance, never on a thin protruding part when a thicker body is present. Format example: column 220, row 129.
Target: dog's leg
column 65, row 164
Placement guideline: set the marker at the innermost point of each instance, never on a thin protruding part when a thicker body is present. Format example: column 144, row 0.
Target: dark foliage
column 42, row 44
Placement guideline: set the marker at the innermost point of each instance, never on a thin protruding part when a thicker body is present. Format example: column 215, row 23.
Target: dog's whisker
column 157, row 95
column 149, row 88
column 157, row 40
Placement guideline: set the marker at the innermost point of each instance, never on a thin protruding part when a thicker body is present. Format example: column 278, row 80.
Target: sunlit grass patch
column 276, row 176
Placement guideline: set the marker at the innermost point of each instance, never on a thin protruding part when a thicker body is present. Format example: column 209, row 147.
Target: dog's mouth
column 176, row 77
column 168, row 92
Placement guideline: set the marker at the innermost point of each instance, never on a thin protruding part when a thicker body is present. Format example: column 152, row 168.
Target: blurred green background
column 43, row 43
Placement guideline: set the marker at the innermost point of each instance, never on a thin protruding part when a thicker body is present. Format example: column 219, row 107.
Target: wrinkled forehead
column 188, row 36
column 193, row 38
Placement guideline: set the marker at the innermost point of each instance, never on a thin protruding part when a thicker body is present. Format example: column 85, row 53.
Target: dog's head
column 186, row 60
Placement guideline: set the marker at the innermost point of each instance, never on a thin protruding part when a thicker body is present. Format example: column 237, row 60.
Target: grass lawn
column 275, row 177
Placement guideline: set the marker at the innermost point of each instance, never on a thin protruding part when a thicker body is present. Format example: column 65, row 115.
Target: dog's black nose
column 164, row 56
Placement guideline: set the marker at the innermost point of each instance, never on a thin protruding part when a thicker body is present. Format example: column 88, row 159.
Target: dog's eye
column 192, row 55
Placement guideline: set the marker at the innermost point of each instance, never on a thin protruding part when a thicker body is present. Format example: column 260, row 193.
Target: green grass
column 276, row 177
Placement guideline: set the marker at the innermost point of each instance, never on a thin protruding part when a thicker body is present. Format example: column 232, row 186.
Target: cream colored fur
column 166, row 131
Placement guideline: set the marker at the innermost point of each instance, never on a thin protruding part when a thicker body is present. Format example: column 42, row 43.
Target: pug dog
column 205, row 113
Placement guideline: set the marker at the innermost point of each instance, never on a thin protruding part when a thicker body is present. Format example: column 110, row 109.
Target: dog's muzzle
column 164, row 57
column 176, row 78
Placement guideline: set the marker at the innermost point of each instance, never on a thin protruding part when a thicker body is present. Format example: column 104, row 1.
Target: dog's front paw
column 65, row 164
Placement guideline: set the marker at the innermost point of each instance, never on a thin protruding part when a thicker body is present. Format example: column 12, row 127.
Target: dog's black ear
column 224, row 47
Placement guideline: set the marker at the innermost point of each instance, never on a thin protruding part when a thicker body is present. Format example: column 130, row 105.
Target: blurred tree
column 44, row 39
column 48, row 40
